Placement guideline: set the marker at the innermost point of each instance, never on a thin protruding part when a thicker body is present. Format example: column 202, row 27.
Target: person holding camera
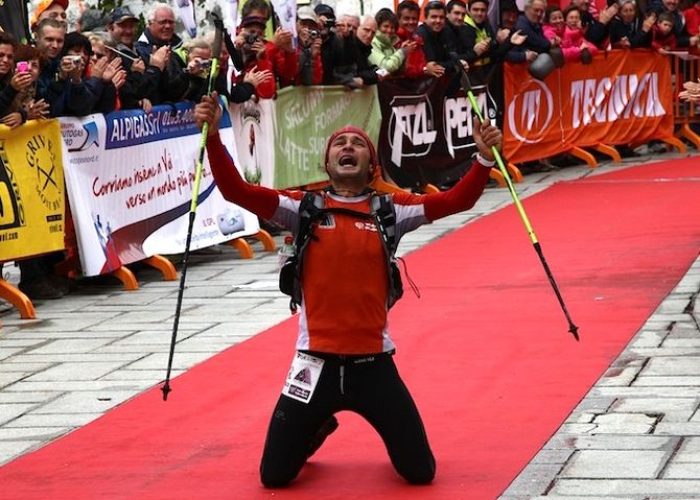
column 310, row 64
column 257, row 54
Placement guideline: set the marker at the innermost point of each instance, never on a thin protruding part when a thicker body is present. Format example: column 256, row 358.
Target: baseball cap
column 43, row 6
column 324, row 10
column 249, row 20
column 306, row 13
column 121, row 14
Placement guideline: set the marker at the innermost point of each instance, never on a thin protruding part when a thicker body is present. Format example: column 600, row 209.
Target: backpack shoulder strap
column 382, row 207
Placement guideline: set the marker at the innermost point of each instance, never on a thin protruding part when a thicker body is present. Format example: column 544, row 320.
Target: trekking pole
column 466, row 84
column 216, row 52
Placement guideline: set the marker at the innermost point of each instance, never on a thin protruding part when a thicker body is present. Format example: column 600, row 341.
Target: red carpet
column 486, row 353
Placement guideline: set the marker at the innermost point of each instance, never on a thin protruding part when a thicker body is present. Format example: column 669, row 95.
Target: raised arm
column 260, row 200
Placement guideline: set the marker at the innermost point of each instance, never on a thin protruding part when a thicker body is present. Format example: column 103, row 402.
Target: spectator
column 438, row 43
column 49, row 9
column 26, row 101
column 141, row 80
column 162, row 49
column 310, row 64
column 258, row 54
column 597, row 30
column 226, row 83
column 682, row 37
column 348, row 24
column 628, row 31
column 11, row 83
column 100, row 80
column 485, row 47
column 530, row 25
column 351, row 66
column 509, row 15
column 198, row 67
column 692, row 18
column 326, row 20
column 264, row 9
column 416, row 64
column 554, row 23
column 663, row 39
column 384, row 53
column 573, row 44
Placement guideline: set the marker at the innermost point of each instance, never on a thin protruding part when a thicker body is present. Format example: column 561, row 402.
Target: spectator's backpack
column 311, row 211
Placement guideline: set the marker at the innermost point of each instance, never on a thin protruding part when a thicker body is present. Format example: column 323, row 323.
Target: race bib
column 303, row 377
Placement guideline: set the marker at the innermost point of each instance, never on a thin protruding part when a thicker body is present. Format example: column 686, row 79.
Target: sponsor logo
column 41, row 156
column 11, row 207
column 411, row 131
column 531, row 112
column 608, row 100
column 458, row 123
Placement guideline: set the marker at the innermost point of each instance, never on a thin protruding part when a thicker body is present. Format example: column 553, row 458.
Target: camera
column 75, row 60
column 251, row 38
column 22, row 67
column 205, row 64
column 314, row 34
column 330, row 23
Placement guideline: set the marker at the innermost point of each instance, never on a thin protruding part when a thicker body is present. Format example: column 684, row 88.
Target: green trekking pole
column 466, row 84
column 216, row 53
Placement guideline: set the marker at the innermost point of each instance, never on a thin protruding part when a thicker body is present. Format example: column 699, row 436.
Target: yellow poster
column 32, row 194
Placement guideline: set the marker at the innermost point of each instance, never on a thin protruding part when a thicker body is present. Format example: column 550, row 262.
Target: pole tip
column 166, row 390
column 574, row 331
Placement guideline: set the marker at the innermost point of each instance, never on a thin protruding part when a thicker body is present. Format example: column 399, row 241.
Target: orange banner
column 623, row 97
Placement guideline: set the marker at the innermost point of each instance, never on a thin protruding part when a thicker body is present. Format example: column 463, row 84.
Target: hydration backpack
column 311, row 212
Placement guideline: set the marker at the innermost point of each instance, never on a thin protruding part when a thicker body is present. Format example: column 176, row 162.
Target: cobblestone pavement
column 636, row 434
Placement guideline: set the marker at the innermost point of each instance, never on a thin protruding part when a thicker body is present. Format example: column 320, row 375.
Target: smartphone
column 22, row 67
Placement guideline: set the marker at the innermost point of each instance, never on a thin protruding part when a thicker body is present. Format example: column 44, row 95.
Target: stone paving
column 636, row 434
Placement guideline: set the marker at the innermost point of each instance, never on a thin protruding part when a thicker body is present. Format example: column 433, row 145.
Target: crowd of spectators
column 115, row 60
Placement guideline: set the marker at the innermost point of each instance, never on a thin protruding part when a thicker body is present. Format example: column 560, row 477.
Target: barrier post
column 685, row 114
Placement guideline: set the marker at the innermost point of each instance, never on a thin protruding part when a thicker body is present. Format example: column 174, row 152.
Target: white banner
column 130, row 176
column 254, row 130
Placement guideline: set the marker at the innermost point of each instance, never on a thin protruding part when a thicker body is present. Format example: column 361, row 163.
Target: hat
column 42, row 7
column 121, row 14
column 306, row 13
column 353, row 130
column 324, row 10
column 249, row 20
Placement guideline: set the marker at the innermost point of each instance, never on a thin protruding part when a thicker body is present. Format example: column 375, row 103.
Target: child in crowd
column 385, row 54
column 663, row 38
column 573, row 44
column 26, row 101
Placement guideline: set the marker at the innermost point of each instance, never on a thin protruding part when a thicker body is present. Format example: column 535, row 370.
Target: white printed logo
column 411, row 119
column 534, row 108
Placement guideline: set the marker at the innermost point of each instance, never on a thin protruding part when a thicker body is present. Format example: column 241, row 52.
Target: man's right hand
column 208, row 111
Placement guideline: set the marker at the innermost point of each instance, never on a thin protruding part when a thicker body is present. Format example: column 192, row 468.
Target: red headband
column 354, row 130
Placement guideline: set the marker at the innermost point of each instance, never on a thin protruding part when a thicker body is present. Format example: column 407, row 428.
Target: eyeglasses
column 163, row 22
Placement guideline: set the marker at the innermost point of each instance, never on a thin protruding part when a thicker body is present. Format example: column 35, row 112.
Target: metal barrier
column 686, row 115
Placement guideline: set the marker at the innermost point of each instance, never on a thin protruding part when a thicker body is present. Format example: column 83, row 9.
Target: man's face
column 54, row 12
column 306, row 28
column 408, row 20
column 435, row 20
column 163, row 25
column 535, row 12
column 366, row 31
column 7, row 58
column 51, row 40
column 348, row 158
column 628, row 12
column 124, row 32
column 670, row 5
column 508, row 18
column 477, row 11
column 456, row 15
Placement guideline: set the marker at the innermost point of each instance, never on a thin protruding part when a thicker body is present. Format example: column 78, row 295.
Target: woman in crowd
column 628, row 30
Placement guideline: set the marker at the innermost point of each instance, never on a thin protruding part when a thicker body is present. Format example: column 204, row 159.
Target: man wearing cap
column 49, row 9
column 257, row 54
column 310, row 65
column 344, row 349
column 326, row 20
column 162, row 49
column 142, row 80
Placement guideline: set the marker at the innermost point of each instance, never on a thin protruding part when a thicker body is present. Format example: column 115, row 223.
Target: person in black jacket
column 628, row 30
column 683, row 38
column 439, row 44
column 160, row 46
column 530, row 25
